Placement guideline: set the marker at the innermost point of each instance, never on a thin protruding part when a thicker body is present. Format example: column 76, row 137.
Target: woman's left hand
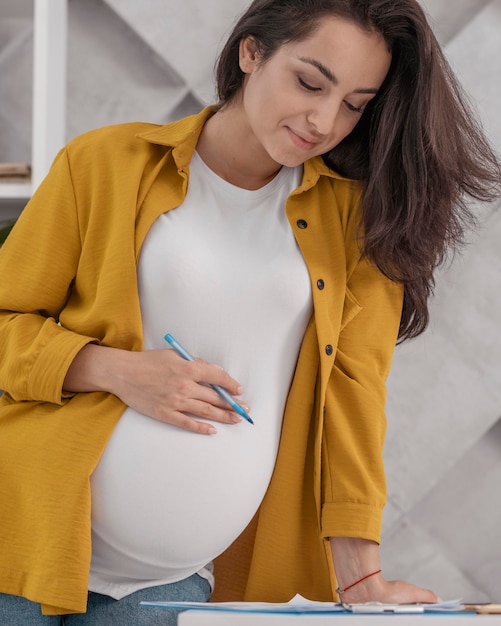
column 356, row 562
column 388, row 591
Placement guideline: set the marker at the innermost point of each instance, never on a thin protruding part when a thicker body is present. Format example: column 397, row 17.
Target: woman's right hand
column 157, row 383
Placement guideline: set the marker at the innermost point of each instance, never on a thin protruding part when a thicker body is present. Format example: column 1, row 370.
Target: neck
column 227, row 146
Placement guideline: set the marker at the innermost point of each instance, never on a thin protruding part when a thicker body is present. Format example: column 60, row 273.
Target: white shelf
column 16, row 191
column 50, row 19
column 49, row 84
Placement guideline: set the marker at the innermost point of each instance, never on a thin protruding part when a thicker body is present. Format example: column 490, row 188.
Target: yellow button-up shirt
column 68, row 277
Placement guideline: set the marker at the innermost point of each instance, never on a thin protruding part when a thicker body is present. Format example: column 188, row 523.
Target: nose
column 323, row 118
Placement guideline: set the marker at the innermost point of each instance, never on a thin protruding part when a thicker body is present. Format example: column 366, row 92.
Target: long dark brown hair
column 418, row 149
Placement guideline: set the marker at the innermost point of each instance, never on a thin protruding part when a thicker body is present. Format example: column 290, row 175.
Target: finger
column 405, row 592
column 188, row 423
column 212, row 411
column 212, row 396
column 427, row 596
column 199, row 401
column 212, row 374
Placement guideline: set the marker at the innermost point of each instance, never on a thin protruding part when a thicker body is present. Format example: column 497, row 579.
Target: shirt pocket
column 351, row 308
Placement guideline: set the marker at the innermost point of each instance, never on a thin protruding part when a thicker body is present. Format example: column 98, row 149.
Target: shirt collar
column 181, row 135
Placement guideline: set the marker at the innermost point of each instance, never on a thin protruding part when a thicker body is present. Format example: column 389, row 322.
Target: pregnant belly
column 166, row 498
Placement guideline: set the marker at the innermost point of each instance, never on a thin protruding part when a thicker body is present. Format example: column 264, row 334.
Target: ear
column 248, row 55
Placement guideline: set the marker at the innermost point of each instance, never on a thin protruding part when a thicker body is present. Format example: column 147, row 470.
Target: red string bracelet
column 340, row 591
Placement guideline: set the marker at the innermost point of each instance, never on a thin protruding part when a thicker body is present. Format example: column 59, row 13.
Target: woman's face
column 310, row 94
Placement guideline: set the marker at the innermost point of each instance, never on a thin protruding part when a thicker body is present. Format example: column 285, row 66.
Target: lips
column 303, row 143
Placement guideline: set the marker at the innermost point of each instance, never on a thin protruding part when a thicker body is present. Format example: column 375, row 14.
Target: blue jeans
column 105, row 611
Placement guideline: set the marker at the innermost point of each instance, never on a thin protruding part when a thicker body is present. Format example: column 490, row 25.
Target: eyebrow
column 330, row 76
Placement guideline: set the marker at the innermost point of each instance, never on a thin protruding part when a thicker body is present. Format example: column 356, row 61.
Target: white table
column 217, row 618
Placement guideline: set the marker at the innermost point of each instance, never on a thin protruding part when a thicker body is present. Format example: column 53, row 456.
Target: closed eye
column 307, row 86
column 354, row 109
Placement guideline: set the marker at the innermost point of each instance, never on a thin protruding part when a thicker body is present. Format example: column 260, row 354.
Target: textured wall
column 443, row 448
column 153, row 60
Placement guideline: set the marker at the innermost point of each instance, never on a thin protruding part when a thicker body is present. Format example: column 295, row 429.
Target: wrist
column 357, row 567
column 95, row 368
column 363, row 589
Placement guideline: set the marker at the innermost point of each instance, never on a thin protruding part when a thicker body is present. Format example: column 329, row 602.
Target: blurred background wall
column 153, row 61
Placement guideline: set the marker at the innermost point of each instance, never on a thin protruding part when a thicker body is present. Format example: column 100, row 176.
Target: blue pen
column 220, row 390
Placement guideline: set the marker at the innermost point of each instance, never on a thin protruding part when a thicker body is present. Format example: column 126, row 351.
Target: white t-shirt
column 224, row 275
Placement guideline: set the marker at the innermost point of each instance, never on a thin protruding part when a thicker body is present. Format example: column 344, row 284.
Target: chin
column 294, row 162
column 289, row 160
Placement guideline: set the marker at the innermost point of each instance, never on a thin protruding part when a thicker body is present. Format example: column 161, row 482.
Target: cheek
column 257, row 102
column 263, row 111
column 269, row 93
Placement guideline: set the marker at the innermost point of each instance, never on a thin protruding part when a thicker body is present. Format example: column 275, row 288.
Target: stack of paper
column 300, row 605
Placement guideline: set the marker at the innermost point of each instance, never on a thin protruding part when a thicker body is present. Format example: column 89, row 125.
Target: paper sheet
column 298, row 604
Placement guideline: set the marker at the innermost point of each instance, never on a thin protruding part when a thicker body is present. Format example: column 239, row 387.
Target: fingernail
column 235, row 418
column 211, row 430
column 239, row 391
